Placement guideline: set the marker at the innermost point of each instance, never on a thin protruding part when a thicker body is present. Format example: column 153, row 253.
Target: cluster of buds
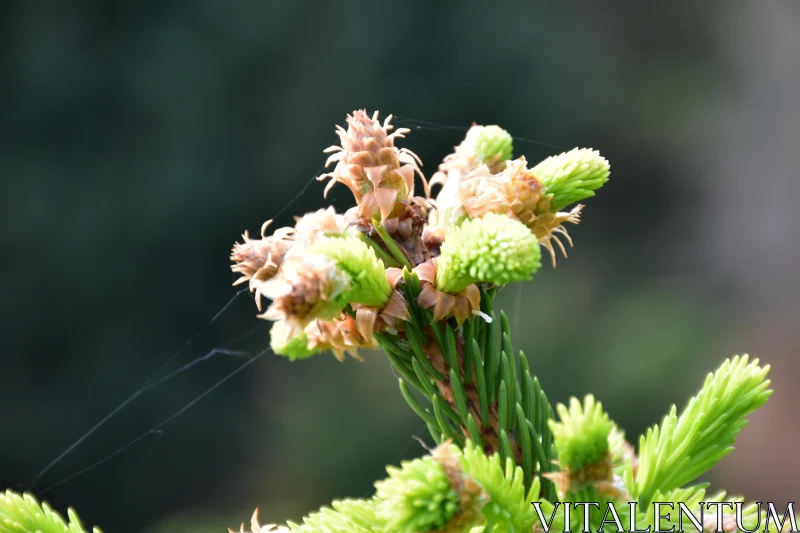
column 417, row 276
column 477, row 182
column 335, row 280
column 431, row 493
column 591, row 451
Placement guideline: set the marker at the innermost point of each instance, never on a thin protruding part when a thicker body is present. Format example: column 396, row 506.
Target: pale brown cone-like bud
column 380, row 175
column 309, row 286
column 466, row 159
column 259, row 260
column 517, row 193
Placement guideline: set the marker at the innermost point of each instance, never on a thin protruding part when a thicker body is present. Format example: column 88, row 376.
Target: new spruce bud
column 489, row 145
column 286, row 342
column 581, row 438
column 417, row 497
column 368, row 284
column 492, row 144
column 493, row 249
column 572, row 176
column 582, row 433
column 517, row 193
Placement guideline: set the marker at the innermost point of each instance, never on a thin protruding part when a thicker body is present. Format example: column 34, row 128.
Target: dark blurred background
column 140, row 139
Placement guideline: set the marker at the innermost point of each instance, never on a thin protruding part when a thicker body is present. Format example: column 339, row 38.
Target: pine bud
column 417, row 497
column 582, row 433
column 572, row 176
column 368, row 284
column 492, row 144
column 581, row 438
column 493, row 249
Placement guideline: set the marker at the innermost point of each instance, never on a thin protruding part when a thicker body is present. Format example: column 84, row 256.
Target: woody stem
column 490, row 431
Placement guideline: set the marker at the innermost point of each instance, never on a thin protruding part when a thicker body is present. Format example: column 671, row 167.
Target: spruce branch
column 684, row 447
column 417, row 276
column 462, row 405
